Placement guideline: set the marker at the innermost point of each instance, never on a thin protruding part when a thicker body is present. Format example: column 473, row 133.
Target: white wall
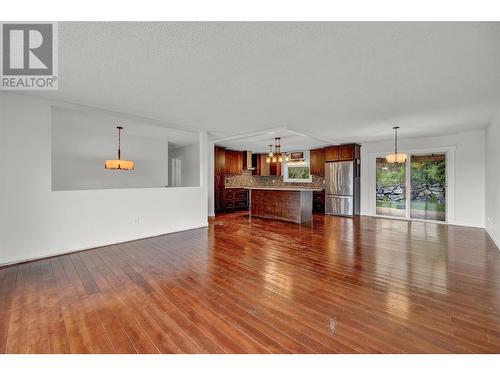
column 37, row 222
column 81, row 142
column 190, row 159
column 493, row 180
column 469, row 172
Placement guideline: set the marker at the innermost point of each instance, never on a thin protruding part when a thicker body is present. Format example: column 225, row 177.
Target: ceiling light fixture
column 395, row 157
column 270, row 151
column 275, row 155
column 125, row 165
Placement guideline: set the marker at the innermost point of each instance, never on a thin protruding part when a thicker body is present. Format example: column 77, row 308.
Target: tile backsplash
column 247, row 179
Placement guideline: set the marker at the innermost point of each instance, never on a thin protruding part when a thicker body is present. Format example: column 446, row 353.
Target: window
column 297, row 173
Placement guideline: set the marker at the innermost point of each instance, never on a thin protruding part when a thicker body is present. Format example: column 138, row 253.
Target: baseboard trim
column 470, row 225
column 65, row 252
column 495, row 240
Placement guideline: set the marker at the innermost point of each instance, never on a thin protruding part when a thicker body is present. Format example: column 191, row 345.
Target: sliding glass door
column 391, row 188
column 428, row 187
column 414, row 190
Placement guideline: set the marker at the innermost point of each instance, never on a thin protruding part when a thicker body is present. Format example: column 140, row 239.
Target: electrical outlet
column 136, row 220
column 490, row 220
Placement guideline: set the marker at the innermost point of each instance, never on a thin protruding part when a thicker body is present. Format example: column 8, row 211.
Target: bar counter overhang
column 293, row 204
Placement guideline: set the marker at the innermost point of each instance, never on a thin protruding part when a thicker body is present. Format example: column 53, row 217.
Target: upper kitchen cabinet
column 257, row 164
column 220, row 160
column 274, row 169
column 219, row 178
column 342, row 152
column 317, row 162
column 332, row 153
column 234, row 162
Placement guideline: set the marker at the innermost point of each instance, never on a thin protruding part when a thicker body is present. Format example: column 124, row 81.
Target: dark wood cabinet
column 263, row 168
column 331, row 153
column 234, row 162
column 342, row 152
column 244, row 160
column 219, row 160
column 274, row 168
column 236, row 199
column 257, row 164
column 219, row 178
column 319, row 201
column 317, row 162
column 228, row 162
column 346, row 152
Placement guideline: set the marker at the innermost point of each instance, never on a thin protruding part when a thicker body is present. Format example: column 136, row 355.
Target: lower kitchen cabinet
column 236, row 199
column 319, row 201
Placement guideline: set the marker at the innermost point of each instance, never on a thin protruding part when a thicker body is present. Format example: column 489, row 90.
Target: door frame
column 176, row 172
column 450, row 182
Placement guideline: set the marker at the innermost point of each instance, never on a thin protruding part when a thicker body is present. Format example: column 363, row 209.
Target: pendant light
column 395, row 157
column 277, row 148
column 275, row 155
column 125, row 165
column 269, row 154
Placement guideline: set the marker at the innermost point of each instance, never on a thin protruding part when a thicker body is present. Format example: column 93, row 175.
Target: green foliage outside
column 390, row 175
column 425, row 175
column 391, row 204
column 422, row 173
column 415, row 205
column 427, row 206
column 298, row 172
column 428, row 173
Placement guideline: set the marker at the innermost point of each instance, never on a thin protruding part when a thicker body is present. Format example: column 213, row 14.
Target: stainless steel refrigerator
column 342, row 188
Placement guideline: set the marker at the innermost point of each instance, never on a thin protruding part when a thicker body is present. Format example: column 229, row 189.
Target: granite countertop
column 287, row 188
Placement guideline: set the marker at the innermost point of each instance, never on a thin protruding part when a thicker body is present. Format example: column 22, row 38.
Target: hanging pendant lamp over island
column 118, row 163
column 276, row 155
column 395, row 157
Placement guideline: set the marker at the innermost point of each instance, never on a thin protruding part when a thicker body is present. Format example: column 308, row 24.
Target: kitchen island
column 293, row 204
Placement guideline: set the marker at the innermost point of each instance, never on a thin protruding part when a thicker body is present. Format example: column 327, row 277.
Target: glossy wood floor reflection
column 338, row 286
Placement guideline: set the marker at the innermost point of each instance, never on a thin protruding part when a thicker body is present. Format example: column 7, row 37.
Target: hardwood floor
column 340, row 285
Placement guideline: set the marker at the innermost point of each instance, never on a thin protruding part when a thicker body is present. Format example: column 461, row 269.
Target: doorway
column 176, row 172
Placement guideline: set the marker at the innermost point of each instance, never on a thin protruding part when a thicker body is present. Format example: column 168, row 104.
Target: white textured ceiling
column 259, row 143
column 106, row 123
column 345, row 81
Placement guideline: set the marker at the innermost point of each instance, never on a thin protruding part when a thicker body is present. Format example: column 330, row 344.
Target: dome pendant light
column 395, row 157
column 125, row 165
